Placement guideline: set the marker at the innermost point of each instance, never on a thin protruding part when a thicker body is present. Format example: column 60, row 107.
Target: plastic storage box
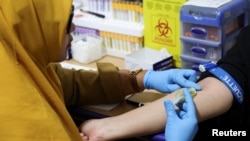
column 208, row 31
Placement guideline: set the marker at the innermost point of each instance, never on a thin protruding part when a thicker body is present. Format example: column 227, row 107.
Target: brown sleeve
column 82, row 87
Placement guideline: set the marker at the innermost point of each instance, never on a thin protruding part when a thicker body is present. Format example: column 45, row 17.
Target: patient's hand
column 93, row 130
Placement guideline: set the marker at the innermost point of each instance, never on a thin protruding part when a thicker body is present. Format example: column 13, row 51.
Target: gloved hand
column 170, row 80
column 182, row 125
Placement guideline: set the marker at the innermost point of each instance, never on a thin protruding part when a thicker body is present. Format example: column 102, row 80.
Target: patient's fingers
column 84, row 138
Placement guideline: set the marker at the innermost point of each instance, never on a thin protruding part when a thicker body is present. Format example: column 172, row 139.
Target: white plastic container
column 86, row 49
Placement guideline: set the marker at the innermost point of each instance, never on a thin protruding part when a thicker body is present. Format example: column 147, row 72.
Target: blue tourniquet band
column 227, row 79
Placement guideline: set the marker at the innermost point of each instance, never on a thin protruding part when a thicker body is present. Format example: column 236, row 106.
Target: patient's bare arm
column 214, row 99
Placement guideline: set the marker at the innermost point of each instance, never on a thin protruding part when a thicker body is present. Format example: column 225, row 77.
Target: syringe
column 180, row 95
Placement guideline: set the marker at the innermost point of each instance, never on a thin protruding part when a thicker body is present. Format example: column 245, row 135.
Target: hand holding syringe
column 183, row 120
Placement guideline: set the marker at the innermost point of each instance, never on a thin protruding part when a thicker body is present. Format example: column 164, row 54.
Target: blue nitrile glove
column 182, row 125
column 170, row 80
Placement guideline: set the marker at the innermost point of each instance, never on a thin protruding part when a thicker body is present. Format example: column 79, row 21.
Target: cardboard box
column 162, row 26
column 147, row 58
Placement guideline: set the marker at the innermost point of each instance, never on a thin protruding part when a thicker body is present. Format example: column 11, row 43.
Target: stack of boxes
column 208, row 30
